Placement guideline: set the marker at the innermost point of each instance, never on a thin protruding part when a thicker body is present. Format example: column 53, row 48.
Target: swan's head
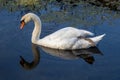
column 26, row 18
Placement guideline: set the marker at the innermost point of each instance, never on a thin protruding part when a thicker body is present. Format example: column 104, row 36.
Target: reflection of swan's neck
column 37, row 29
column 30, row 65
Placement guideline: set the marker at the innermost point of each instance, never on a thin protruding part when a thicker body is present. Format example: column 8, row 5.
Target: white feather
column 97, row 38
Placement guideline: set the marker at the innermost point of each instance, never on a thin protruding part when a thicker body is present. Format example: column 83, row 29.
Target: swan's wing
column 69, row 32
column 65, row 43
column 66, row 38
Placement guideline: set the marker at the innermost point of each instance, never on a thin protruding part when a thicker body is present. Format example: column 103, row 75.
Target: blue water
column 41, row 65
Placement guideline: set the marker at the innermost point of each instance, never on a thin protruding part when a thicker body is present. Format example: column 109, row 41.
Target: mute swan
column 68, row 38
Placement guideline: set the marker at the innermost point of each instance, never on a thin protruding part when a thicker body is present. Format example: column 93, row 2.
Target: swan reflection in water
column 35, row 62
column 85, row 54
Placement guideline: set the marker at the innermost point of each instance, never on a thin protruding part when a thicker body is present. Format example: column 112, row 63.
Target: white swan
column 68, row 38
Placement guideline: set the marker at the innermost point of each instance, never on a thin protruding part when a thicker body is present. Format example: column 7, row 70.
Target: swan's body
column 68, row 38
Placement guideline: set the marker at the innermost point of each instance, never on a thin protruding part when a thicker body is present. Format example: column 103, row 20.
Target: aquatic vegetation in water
column 75, row 12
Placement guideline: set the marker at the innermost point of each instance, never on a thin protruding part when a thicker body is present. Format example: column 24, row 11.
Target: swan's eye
column 22, row 21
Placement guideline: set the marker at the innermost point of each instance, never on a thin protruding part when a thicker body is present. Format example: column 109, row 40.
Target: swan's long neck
column 37, row 29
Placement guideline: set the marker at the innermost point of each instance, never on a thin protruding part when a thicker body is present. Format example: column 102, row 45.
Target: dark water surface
column 22, row 60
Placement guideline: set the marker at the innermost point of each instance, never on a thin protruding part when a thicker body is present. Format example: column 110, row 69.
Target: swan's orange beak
column 22, row 24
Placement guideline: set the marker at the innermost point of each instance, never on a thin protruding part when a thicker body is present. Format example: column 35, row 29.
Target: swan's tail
column 97, row 38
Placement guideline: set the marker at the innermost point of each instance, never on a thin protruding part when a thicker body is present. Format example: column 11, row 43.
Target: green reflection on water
column 75, row 13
